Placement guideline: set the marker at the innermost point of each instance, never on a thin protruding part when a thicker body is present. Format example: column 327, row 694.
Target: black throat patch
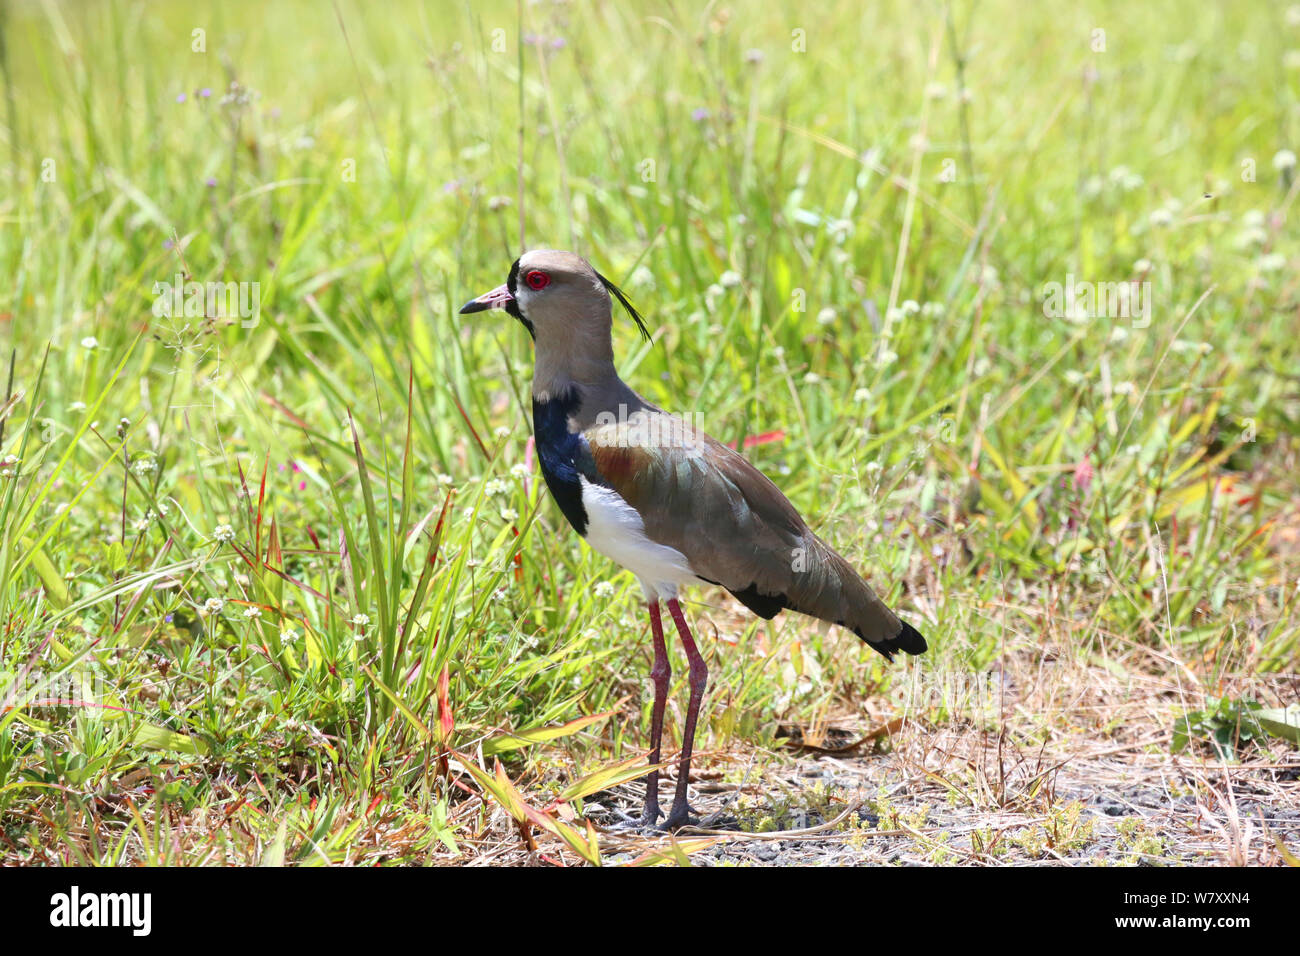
column 565, row 456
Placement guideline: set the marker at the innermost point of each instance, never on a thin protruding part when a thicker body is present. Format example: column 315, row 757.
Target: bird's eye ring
column 537, row 280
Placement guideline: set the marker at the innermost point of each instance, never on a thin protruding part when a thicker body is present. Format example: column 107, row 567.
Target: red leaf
column 766, row 438
column 446, row 723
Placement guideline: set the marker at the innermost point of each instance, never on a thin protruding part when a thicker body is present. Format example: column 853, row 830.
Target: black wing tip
column 631, row 310
column 908, row 640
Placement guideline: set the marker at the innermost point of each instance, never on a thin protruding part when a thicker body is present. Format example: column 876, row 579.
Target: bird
column 660, row 497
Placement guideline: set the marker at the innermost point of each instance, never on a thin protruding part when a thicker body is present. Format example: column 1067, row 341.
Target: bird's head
column 558, row 297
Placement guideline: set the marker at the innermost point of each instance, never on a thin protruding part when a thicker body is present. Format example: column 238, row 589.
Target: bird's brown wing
column 736, row 528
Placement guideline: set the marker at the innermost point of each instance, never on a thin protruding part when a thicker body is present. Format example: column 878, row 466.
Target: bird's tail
column 840, row 595
column 830, row 589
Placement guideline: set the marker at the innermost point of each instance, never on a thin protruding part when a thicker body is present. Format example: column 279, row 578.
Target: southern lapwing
column 665, row 501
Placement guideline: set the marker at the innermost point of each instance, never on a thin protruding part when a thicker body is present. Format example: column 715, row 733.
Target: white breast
column 616, row 530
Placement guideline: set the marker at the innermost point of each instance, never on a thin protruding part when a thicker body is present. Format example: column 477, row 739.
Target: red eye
column 537, row 280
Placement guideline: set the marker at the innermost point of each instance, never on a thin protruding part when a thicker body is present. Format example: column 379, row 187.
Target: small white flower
column 932, row 310
column 1161, row 217
column 1250, row 236
column 495, row 487
column 935, row 91
column 90, row 342
column 1074, row 377
column 603, row 589
column 252, row 612
column 729, row 279
column 443, row 480
column 509, row 514
column 1272, row 262
column 1126, row 179
column 145, row 465
column 886, row 357
column 288, row 635
column 826, row 316
column 360, row 620
column 862, row 395
column 812, row 378
column 77, row 407
column 502, row 431
column 10, row 460
column 910, row 307
column 1283, row 159
column 1142, row 265
column 519, row 471
column 754, row 56
column 1118, row 334
column 213, row 606
column 1125, row 388
column 223, row 532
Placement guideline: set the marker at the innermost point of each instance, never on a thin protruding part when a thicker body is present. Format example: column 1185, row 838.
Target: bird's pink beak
column 498, row 298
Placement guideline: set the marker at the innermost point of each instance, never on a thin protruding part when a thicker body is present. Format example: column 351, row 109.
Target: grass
column 286, row 589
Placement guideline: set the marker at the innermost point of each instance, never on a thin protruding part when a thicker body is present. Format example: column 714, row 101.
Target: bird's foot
column 647, row 822
column 681, row 816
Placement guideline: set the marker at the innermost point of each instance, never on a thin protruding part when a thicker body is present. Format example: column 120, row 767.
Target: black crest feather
column 617, row 293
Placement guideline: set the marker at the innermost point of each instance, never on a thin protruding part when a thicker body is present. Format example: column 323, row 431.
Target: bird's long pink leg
column 659, row 673
column 679, row 814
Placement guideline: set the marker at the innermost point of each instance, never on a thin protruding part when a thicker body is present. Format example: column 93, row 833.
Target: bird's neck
column 587, row 384
column 556, row 372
